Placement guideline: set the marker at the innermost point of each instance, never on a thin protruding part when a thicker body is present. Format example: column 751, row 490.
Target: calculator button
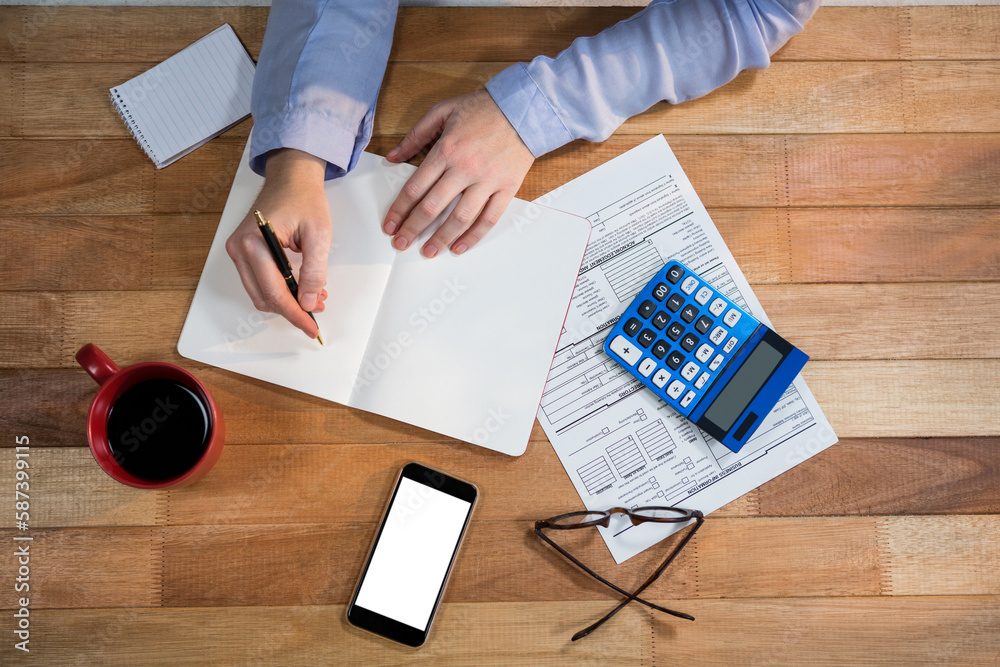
column 675, row 331
column 632, row 327
column 703, row 324
column 626, row 349
column 647, row 366
column 717, row 307
column 675, row 302
column 718, row 335
column 660, row 320
column 646, row 338
column 715, row 363
column 675, row 389
column 703, row 295
column 689, row 313
column 689, row 285
column 660, row 349
column 704, row 353
column 661, row 378
column 689, row 342
column 675, row 360
column 702, row 379
column 660, row 292
column 730, row 344
column 731, row 318
column 675, row 273
column 689, row 371
column 646, row 308
column 688, row 397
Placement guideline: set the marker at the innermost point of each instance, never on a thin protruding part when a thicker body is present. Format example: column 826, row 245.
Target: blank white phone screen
column 413, row 553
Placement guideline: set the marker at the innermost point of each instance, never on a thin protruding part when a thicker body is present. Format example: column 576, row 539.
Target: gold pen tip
column 320, row 338
column 260, row 218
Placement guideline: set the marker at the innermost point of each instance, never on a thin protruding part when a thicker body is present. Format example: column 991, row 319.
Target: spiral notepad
column 188, row 99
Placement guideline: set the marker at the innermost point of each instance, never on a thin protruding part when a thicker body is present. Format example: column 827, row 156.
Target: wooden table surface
column 857, row 182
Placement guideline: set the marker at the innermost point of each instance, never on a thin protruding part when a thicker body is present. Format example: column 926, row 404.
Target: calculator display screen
column 743, row 386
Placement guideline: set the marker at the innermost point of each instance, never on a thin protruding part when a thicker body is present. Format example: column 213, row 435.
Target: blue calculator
column 706, row 357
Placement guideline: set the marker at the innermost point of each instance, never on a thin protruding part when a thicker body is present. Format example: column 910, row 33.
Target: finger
column 413, row 191
column 484, row 223
column 237, row 248
column 424, row 132
column 276, row 294
column 315, row 242
column 465, row 213
column 426, row 211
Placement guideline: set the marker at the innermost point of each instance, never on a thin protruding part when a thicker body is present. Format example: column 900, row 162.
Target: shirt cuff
column 527, row 109
column 307, row 131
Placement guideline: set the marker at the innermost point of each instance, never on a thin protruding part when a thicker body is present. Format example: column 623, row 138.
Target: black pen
column 278, row 253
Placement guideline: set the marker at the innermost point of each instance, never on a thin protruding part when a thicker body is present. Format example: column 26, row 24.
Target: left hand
column 478, row 154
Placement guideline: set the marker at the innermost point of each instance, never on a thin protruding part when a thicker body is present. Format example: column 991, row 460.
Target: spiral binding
column 131, row 124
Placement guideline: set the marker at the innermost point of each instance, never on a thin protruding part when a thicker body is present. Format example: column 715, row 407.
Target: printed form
column 621, row 445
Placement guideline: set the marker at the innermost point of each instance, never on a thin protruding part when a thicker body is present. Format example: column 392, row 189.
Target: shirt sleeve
column 318, row 77
column 674, row 50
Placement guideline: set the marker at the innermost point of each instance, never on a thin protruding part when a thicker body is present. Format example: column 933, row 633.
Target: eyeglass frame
column 605, row 520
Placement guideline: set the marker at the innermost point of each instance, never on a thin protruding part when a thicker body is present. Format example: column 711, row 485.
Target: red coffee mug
column 114, row 382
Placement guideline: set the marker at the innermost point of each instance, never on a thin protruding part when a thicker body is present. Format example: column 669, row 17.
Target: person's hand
column 478, row 154
column 293, row 200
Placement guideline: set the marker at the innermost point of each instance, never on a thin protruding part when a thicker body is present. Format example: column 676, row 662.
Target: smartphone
column 403, row 580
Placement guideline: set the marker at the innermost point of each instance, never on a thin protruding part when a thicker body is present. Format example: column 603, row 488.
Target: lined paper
column 188, row 99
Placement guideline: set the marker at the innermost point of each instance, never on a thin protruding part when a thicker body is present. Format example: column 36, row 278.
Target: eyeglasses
column 586, row 519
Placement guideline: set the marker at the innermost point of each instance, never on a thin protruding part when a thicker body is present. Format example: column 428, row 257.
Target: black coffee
column 158, row 429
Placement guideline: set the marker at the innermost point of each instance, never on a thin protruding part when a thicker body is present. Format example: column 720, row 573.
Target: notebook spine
column 133, row 127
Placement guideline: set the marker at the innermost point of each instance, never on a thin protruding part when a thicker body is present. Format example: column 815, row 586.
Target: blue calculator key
column 716, row 364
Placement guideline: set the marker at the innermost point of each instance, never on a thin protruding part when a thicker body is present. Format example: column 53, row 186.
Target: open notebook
column 189, row 98
column 456, row 345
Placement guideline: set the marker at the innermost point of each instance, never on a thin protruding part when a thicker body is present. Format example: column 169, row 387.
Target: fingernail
column 430, row 251
column 460, row 248
column 393, row 153
column 400, row 243
column 389, row 227
column 308, row 301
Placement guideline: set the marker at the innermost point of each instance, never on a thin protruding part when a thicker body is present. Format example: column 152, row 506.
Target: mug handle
column 96, row 363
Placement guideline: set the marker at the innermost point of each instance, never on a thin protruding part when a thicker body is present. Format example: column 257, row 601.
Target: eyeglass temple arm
column 629, row 596
column 680, row 545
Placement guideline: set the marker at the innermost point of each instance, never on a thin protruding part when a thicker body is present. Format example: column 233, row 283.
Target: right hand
column 294, row 201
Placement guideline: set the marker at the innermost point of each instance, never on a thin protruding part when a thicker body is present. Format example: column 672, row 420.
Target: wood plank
column 502, row 561
column 853, row 631
column 151, row 34
column 464, row 634
column 726, row 171
column 862, row 399
column 771, row 245
column 789, row 98
column 265, row 484
column 826, row 320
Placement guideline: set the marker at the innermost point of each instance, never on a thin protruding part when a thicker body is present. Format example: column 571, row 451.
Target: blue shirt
column 322, row 62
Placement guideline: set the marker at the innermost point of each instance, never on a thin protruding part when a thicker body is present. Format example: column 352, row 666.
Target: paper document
column 619, row 443
column 459, row 345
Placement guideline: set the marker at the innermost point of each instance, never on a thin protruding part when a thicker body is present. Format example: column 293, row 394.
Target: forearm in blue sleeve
column 318, row 76
column 674, row 50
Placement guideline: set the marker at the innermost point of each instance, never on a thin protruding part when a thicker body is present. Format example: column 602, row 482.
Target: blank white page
column 189, row 98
